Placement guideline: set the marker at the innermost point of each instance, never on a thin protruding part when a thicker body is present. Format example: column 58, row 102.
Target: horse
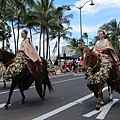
column 97, row 75
column 24, row 79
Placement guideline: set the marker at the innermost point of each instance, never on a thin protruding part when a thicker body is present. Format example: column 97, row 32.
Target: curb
column 62, row 74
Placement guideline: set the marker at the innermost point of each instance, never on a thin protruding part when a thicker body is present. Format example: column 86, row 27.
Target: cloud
column 99, row 6
column 85, row 28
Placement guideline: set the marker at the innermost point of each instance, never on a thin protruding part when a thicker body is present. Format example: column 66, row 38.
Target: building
column 67, row 50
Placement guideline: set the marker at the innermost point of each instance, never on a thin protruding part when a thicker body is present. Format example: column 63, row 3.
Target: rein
column 9, row 62
column 94, row 65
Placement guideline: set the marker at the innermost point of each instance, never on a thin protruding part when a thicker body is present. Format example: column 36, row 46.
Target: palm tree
column 85, row 35
column 15, row 10
column 113, row 32
column 62, row 32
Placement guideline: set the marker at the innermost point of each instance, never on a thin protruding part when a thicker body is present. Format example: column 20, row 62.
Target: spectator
column 8, row 48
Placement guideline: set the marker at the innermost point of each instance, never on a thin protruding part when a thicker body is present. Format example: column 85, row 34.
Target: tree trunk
column 43, row 45
column 18, row 32
column 31, row 35
column 14, row 37
column 59, row 48
column 40, row 42
column 47, row 40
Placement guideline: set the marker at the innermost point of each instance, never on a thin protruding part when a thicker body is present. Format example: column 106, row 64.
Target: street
column 71, row 100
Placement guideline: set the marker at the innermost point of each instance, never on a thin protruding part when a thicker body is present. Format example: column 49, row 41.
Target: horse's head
column 5, row 56
column 1, row 55
column 90, row 59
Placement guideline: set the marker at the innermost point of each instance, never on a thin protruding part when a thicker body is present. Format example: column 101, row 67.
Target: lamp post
column 80, row 16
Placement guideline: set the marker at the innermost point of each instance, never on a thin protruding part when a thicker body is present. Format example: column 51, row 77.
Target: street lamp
column 80, row 15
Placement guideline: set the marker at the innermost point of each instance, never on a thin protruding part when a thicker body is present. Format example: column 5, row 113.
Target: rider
column 104, row 46
column 28, row 51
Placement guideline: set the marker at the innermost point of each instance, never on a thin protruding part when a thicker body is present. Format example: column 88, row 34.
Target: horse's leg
column 44, row 90
column 99, row 96
column 4, row 82
column 13, row 85
column 110, row 92
column 39, row 90
column 102, row 99
column 22, row 93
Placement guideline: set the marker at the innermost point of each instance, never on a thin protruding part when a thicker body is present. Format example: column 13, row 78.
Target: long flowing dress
column 33, row 59
column 114, row 79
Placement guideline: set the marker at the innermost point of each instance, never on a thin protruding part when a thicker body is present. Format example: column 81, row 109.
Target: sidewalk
column 58, row 73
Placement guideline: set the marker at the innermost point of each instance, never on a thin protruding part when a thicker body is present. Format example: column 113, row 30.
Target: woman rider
column 104, row 46
column 28, row 51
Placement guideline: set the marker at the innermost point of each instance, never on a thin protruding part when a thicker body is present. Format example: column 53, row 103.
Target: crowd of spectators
column 67, row 66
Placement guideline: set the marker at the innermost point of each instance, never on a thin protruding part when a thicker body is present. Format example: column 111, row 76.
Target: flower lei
column 13, row 69
column 102, row 74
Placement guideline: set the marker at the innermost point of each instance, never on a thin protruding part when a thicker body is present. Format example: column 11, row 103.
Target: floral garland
column 102, row 74
column 13, row 69
column 2, row 70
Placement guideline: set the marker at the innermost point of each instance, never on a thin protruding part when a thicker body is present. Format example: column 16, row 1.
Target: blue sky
column 92, row 17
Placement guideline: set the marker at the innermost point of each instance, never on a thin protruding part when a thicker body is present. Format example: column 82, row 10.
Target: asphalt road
column 72, row 100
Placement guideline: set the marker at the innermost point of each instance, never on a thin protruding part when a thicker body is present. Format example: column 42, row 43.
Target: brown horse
column 97, row 79
column 24, row 79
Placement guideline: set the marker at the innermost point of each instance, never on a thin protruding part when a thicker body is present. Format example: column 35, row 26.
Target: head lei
column 104, row 31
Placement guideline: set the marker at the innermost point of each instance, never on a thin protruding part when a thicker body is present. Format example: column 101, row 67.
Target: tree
column 15, row 10
column 5, row 32
column 85, row 35
column 113, row 33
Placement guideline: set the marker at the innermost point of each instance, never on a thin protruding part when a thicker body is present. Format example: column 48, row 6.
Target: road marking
column 103, row 110
column 67, row 80
column 78, row 74
column 49, row 114
column 2, row 105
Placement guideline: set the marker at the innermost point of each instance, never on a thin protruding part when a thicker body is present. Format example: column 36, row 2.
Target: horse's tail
column 49, row 85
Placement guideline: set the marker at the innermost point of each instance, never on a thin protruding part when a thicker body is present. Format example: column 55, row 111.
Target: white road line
column 49, row 114
column 2, row 105
column 67, row 80
column 78, row 74
column 103, row 110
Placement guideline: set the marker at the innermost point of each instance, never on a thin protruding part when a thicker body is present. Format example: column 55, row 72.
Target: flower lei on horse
column 102, row 74
column 13, row 69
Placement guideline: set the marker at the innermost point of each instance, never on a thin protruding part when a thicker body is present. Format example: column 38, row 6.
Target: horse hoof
column 102, row 103
column 97, row 107
column 42, row 98
column 111, row 100
column 5, row 107
column 22, row 102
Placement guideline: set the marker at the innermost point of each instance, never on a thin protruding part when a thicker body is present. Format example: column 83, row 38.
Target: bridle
column 1, row 59
column 89, row 63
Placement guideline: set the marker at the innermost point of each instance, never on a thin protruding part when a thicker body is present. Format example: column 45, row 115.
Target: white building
column 67, row 50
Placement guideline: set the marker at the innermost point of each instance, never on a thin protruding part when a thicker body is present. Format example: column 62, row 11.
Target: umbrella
column 75, row 56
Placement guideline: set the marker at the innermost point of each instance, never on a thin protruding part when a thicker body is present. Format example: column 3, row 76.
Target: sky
column 92, row 17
